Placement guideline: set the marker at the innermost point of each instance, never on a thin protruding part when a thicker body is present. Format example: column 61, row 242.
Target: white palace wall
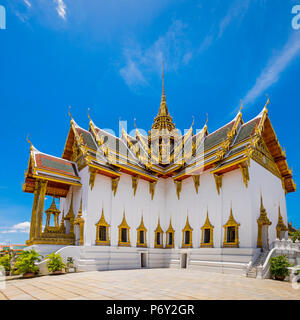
column 245, row 204
column 262, row 182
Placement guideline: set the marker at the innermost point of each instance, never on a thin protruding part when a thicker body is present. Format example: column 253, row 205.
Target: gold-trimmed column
column 34, row 210
column 39, row 220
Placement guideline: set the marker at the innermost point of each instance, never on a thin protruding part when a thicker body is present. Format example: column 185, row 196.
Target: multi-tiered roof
column 163, row 153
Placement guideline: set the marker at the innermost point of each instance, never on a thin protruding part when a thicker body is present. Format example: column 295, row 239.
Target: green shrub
column 279, row 267
column 55, row 262
column 295, row 236
column 26, row 262
column 5, row 262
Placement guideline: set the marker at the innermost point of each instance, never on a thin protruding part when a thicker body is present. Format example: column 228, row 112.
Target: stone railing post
column 259, row 272
column 297, row 244
column 276, row 243
column 289, row 244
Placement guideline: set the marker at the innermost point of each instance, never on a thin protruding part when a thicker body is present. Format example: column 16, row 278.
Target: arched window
column 80, row 222
column 231, row 233
column 207, row 238
column 281, row 228
column 170, row 236
column 141, row 235
column 102, row 235
column 187, row 235
column 124, row 233
column 158, row 236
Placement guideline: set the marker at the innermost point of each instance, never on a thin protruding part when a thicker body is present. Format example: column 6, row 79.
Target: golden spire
column 163, row 94
column 163, row 109
column 163, row 119
column 53, row 207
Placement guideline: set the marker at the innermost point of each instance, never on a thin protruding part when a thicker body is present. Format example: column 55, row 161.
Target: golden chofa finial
column 206, row 119
column 134, row 122
column 268, row 101
column 70, row 112
column 31, row 145
column 193, row 121
column 88, row 113
column 242, row 105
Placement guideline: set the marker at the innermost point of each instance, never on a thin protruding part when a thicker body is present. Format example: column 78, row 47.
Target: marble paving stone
column 147, row 284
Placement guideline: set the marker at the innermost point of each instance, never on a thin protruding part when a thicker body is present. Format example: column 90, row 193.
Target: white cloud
column 172, row 47
column 236, row 11
column 132, row 74
column 23, row 227
column 28, row 4
column 61, row 8
column 275, row 66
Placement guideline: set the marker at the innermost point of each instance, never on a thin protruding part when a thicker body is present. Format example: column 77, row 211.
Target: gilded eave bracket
column 178, row 185
column 114, row 184
column 135, row 182
column 218, row 181
column 196, row 179
column 152, row 186
column 93, row 173
column 245, row 173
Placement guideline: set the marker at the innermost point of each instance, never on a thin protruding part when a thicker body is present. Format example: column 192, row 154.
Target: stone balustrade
column 280, row 247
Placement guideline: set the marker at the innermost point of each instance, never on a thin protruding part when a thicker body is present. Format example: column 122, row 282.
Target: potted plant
column 55, row 263
column 5, row 263
column 279, row 267
column 26, row 263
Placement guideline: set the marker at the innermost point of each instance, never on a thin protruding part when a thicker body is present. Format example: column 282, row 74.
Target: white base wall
column 98, row 258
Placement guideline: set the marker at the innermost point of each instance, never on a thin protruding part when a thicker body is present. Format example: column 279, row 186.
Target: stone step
column 251, row 275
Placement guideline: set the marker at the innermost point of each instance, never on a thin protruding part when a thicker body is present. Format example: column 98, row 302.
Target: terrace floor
column 146, row 284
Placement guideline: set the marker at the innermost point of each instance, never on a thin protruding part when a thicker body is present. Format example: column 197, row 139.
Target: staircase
column 252, row 273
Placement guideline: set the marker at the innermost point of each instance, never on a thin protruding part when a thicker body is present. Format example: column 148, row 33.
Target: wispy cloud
column 132, row 74
column 28, row 4
column 236, row 11
column 23, row 227
column 61, row 8
column 275, row 66
column 172, row 47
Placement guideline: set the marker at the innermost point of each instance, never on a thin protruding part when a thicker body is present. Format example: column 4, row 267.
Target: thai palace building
column 208, row 201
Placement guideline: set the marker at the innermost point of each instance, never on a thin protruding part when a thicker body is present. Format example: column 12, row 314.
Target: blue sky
column 107, row 56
